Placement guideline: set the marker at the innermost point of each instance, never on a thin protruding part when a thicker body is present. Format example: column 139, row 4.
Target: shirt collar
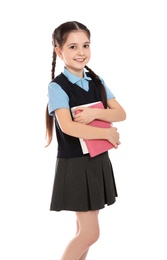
column 73, row 78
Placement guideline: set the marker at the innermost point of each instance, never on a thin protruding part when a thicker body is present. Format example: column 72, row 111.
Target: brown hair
column 59, row 37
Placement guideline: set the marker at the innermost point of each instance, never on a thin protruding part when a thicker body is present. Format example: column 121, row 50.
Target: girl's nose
column 81, row 52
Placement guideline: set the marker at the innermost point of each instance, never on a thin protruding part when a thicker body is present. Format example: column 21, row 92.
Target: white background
column 129, row 40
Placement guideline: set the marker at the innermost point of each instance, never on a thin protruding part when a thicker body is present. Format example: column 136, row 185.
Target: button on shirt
column 58, row 97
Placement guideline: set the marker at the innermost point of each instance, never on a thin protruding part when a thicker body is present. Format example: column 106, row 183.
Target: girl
column 83, row 184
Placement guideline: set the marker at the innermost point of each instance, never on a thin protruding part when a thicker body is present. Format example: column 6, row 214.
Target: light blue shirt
column 57, row 97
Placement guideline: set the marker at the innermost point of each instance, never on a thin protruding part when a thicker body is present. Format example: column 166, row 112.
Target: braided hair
column 59, row 37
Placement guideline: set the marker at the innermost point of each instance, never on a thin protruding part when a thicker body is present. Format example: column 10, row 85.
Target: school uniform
column 81, row 183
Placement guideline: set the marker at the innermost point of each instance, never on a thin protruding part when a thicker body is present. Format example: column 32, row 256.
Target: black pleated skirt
column 83, row 184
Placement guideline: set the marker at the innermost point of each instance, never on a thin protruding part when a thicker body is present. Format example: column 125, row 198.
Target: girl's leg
column 88, row 233
column 83, row 257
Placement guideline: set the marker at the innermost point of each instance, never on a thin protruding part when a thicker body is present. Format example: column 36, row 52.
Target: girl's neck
column 78, row 73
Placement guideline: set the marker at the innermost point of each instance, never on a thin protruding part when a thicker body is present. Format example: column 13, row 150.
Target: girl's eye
column 73, row 47
column 86, row 46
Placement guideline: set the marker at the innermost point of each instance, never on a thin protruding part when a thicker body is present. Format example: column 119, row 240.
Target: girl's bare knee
column 89, row 238
column 88, row 227
column 94, row 236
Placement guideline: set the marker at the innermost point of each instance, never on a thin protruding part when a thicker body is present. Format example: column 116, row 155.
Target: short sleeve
column 57, row 98
column 108, row 91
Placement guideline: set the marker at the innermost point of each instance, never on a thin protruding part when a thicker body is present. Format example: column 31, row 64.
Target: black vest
column 69, row 146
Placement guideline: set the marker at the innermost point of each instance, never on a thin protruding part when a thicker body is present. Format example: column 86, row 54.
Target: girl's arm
column 81, row 130
column 115, row 113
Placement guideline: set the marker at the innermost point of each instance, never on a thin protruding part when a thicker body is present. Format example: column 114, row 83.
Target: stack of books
column 95, row 146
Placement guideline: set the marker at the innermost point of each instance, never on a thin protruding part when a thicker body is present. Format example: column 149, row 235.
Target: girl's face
column 75, row 52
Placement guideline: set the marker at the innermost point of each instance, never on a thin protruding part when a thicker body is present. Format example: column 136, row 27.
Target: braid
column 98, row 82
column 49, row 121
column 53, row 64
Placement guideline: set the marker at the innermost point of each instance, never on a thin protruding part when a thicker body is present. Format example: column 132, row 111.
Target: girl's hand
column 114, row 137
column 84, row 115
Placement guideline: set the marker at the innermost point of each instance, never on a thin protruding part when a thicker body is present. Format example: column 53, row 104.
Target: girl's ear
column 58, row 52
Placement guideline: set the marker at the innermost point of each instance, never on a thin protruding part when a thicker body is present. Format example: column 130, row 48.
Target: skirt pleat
column 83, row 184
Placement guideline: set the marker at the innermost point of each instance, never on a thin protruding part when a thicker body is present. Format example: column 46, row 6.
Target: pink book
column 96, row 146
